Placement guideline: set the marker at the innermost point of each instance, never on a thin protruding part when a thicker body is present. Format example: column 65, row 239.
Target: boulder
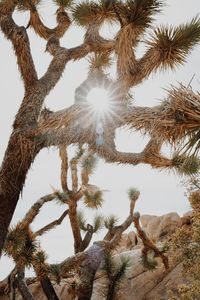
column 158, row 227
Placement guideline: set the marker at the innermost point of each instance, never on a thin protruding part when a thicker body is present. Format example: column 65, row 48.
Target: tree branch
column 43, row 31
column 23, row 288
column 20, row 41
column 148, row 244
column 75, row 225
column 34, row 210
column 74, row 174
column 64, row 167
column 52, row 224
column 87, row 238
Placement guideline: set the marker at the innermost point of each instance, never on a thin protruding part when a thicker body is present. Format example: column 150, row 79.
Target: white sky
column 161, row 192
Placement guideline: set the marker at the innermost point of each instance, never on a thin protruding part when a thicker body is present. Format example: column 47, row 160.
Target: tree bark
column 22, row 286
column 19, row 155
column 48, row 289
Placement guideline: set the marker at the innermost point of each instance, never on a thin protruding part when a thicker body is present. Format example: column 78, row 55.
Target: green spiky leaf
column 97, row 223
column 175, row 43
column 93, row 200
column 55, row 271
column 99, row 61
column 20, row 245
column 186, row 165
column 84, row 12
column 40, row 257
column 88, row 163
column 193, row 144
column 79, row 152
column 82, row 221
column 139, row 12
column 148, row 263
column 109, row 265
column 133, row 194
column 110, row 222
column 64, row 3
column 121, row 270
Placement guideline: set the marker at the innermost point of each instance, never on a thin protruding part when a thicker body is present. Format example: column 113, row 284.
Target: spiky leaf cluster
column 79, row 152
column 186, row 165
column 175, row 43
column 97, row 223
column 64, row 3
column 61, row 197
column 148, row 263
column 20, row 245
column 93, row 200
column 88, row 163
column 139, row 12
column 40, row 265
column 133, row 194
column 193, row 144
column 87, row 11
column 99, row 61
column 115, row 272
column 81, row 220
column 110, row 222
column 55, row 271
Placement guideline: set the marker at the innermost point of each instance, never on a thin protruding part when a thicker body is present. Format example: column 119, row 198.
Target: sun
column 99, row 101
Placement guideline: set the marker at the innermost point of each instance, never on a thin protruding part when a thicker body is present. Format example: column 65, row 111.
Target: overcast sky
column 161, row 192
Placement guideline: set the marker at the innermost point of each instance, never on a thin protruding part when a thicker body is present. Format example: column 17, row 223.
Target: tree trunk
column 19, row 155
column 22, row 286
column 48, row 288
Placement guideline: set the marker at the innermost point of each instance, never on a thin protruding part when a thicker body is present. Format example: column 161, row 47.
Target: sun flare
column 99, row 101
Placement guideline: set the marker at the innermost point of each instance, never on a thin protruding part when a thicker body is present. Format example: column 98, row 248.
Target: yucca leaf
column 99, row 61
column 93, row 200
column 84, row 12
column 110, row 222
column 88, row 163
column 64, row 3
column 40, row 257
column 55, row 271
column 186, row 165
column 97, row 223
column 109, row 265
column 148, row 263
column 121, row 270
column 133, row 194
column 81, row 220
column 139, row 12
column 174, row 43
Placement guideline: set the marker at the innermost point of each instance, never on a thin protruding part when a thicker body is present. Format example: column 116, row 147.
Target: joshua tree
column 35, row 128
column 23, row 247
